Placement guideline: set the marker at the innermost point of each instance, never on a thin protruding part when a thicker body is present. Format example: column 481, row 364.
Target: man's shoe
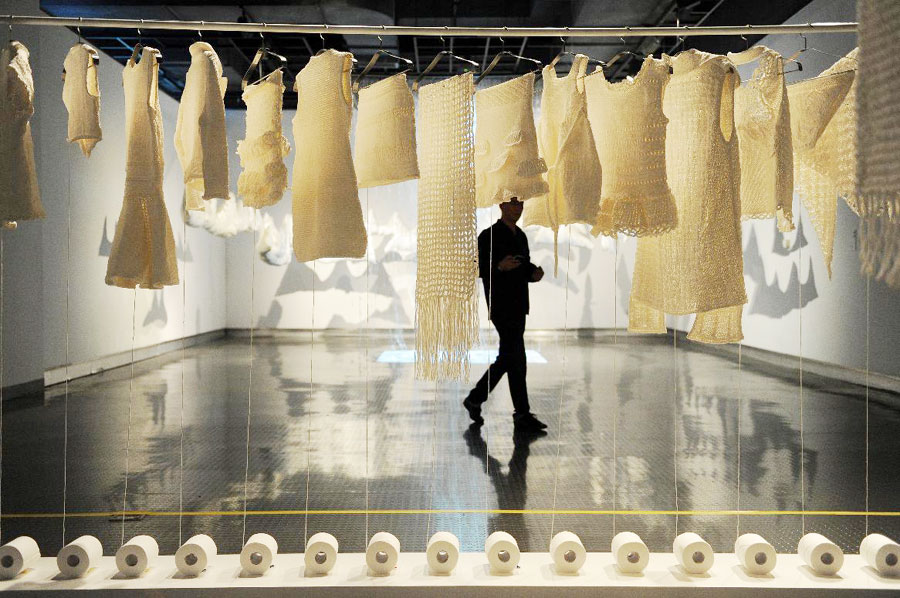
column 474, row 412
column 529, row 422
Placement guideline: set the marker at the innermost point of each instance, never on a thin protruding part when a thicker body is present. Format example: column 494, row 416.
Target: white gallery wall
column 102, row 320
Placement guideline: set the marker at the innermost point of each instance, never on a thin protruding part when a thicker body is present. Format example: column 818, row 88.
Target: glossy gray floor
column 340, row 442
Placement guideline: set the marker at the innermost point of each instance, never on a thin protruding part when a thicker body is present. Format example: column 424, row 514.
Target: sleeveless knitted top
column 328, row 220
column 81, row 95
column 385, row 148
column 630, row 131
column 143, row 248
column 20, row 198
column 263, row 180
column 763, row 123
column 200, row 139
column 507, row 164
column 823, row 124
column 567, row 146
column 447, row 249
column 697, row 267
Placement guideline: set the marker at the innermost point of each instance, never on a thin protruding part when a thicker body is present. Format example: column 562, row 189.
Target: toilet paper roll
column 820, row 554
column 382, row 553
column 881, row 553
column 693, row 553
column 630, row 552
column 258, row 553
column 755, row 554
column 17, row 556
column 567, row 552
column 442, row 553
column 321, row 553
column 136, row 555
column 502, row 553
column 193, row 556
column 78, row 556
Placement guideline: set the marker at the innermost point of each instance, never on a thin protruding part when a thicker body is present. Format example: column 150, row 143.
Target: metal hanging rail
column 683, row 31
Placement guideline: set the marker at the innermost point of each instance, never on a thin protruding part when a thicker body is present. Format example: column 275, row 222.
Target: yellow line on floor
column 695, row 513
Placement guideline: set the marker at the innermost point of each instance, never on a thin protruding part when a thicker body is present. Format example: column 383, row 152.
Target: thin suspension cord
column 184, row 250
column 800, row 350
column 366, row 357
column 675, row 414
column 249, row 382
column 615, row 463
column 740, row 408
column 868, row 279
column 562, row 386
column 309, row 400
column 130, row 405
column 66, row 387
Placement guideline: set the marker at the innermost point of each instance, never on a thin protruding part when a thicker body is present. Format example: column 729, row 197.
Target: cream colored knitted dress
column 879, row 140
column 507, row 164
column 697, row 267
column 823, row 126
column 763, row 123
column 567, row 146
column 446, row 266
column 81, row 95
column 143, row 248
column 20, row 198
column 385, row 149
column 328, row 219
column 263, row 177
column 200, row 138
column 630, row 131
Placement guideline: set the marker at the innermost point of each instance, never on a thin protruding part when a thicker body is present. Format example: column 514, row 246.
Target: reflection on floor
column 333, row 433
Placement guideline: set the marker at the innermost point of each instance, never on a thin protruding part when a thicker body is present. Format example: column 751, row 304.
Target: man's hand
column 537, row 274
column 508, row 263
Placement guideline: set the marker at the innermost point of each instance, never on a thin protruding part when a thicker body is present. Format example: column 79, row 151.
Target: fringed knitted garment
column 263, row 177
column 385, row 147
column 878, row 102
column 20, row 197
column 697, row 267
column 81, row 95
column 200, row 139
column 630, row 130
column 447, row 264
column 823, row 126
column 507, row 164
column 567, row 147
column 328, row 220
column 143, row 248
column 763, row 123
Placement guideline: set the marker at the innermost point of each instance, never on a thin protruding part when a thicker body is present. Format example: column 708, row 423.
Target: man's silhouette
column 506, row 270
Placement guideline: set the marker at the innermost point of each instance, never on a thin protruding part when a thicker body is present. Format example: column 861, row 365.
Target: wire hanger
column 324, row 49
column 622, row 54
column 139, row 46
column 95, row 56
column 378, row 54
column 504, row 52
column 565, row 52
column 806, row 48
column 262, row 53
column 434, row 62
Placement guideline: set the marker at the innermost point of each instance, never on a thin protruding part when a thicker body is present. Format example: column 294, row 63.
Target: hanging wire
column 66, row 386
column 615, row 463
column 868, row 279
column 800, row 351
column 130, row 405
column 249, row 382
column 184, row 250
column 675, row 413
column 366, row 357
column 309, row 399
column 562, row 386
column 740, row 408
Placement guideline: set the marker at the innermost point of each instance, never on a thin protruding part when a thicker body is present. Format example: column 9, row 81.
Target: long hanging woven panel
column 823, row 127
column 697, row 267
column 446, row 269
column 878, row 101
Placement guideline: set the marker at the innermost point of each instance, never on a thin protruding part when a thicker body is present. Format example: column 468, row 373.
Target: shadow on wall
column 767, row 298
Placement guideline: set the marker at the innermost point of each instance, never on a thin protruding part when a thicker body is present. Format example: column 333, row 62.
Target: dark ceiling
column 237, row 49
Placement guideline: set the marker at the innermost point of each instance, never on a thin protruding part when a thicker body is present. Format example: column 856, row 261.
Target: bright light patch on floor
column 477, row 357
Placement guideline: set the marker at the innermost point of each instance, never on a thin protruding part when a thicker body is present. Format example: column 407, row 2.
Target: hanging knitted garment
column 763, row 123
column 20, row 198
column 385, row 150
column 263, row 177
column 446, row 267
column 567, row 147
column 200, row 139
column 823, row 126
column 630, row 131
column 328, row 219
column 81, row 95
column 697, row 267
column 143, row 248
column 507, row 164
column 878, row 102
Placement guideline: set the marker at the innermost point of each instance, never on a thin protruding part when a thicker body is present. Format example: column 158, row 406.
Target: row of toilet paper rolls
column 693, row 553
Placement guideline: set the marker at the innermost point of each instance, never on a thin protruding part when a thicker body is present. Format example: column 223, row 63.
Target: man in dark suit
column 506, row 270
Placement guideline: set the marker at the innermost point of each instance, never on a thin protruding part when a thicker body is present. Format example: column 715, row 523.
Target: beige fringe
column 445, row 329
